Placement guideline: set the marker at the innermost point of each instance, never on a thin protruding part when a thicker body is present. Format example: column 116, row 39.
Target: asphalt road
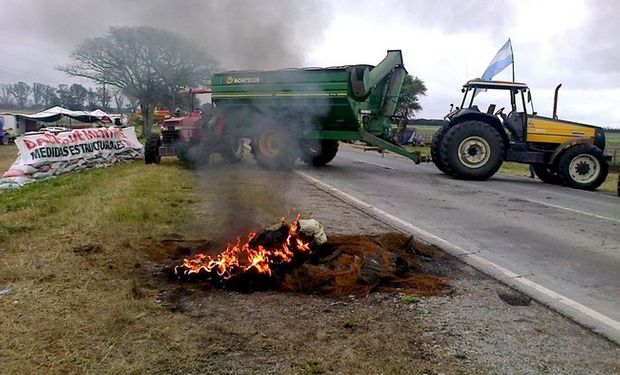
column 563, row 239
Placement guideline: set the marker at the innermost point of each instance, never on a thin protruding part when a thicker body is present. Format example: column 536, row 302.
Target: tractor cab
column 503, row 102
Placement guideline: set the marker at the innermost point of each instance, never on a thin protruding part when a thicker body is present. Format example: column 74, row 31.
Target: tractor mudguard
column 566, row 145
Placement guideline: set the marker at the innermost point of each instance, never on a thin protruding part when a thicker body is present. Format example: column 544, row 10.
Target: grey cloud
column 457, row 15
column 238, row 33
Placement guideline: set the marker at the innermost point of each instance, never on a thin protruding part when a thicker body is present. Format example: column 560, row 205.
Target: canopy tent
column 56, row 113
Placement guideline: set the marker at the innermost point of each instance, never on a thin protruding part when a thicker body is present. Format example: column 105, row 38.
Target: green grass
column 612, row 146
column 72, row 248
column 409, row 299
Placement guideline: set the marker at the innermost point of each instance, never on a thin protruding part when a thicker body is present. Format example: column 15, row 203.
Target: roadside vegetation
column 72, row 252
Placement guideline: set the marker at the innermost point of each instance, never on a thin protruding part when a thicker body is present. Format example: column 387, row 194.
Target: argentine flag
column 499, row 62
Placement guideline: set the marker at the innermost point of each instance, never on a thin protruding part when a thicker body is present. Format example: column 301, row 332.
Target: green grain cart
column 303, row 113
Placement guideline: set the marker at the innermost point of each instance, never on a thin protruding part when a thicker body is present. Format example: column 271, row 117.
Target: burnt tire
column 583, row 167
column 274, row 148
column 547, row 174
column 318, row 152
column 437, row 138
column 471, row 150
column 151, row 149
column 232, row 150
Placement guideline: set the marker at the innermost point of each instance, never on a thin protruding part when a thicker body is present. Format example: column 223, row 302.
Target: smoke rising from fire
column 239, row 34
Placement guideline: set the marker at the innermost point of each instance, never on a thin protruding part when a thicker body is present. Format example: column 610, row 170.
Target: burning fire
column 250, row 256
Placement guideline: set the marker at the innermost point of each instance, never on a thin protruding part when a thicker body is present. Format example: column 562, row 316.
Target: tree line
column 21, row 95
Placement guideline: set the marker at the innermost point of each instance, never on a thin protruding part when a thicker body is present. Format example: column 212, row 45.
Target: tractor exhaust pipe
column 555, row 102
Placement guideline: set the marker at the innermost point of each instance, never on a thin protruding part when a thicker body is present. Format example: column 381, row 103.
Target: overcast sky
column 445, row 43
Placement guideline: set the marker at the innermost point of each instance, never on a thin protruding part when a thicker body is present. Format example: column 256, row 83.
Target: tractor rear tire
column 232, row 150
column 547, row 174
column 472, row 150
column 274, row 148
column 151, row 149
column 583, row 167
column 316, row 152
column 437, row 138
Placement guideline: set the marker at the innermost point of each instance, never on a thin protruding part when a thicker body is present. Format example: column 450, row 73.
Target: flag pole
column 513, row 60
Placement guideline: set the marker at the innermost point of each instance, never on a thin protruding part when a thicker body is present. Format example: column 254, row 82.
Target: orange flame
column 239, row 258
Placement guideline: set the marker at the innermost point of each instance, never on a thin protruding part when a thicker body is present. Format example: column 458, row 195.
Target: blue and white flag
column 500, row 62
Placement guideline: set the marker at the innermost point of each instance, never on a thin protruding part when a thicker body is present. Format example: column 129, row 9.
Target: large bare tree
column 144, row 62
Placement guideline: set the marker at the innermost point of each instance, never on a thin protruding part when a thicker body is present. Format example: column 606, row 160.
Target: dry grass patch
column 7, row 157
column 71, row 251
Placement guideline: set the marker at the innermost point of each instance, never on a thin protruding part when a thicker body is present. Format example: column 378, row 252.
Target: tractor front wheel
column 151, row 149
column 318, row 152
column 274, row 148
column 583, row 167
column 471, row 150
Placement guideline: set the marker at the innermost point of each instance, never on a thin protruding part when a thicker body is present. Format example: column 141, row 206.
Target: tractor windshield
column 487, row 100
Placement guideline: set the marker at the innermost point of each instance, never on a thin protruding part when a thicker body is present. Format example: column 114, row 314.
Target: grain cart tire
column 547, row 174
column 437, row 138
column 583, row 167
column 151, row 149
column 4, row 140
column 472, row 150
column 318, row 152
column 274, row 148
column 232, row 150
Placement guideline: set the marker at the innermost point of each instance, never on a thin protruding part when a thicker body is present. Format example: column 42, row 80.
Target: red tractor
column 193, row 136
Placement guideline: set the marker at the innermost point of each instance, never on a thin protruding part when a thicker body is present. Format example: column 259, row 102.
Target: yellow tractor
column 473, row 144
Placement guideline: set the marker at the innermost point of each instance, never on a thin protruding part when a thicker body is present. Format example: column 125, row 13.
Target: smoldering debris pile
column 359, row 264
column 290, row 257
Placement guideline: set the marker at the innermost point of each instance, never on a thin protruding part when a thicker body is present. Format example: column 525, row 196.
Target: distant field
column 612, row 146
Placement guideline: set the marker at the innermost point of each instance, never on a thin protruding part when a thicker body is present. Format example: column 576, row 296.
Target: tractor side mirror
column 529, row 96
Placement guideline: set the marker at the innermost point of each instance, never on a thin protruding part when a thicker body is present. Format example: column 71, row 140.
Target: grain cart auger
column 474, row 144
column 294, row 113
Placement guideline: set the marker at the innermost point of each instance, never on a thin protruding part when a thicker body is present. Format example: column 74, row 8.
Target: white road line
column 574, row 210
column 375, row 164
column 581, row 314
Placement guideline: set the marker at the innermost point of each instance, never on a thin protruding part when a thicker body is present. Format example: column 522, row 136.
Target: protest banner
column 45, row 154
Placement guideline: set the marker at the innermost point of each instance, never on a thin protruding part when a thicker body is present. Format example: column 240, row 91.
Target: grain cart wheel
column 318, row 152
column 4, row 140
column 547, row 174
column 472, row 150
column 151, row 149
column 583, row 167
column 232, row 150
column 274, row 148
column 437, row 138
